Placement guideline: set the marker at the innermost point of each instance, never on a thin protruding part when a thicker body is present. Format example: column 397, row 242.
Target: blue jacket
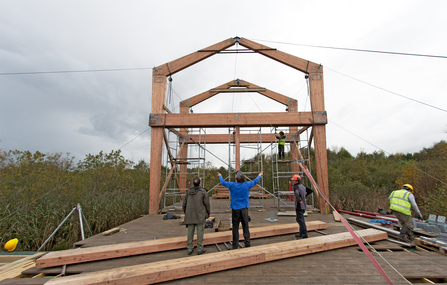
column 239, row 192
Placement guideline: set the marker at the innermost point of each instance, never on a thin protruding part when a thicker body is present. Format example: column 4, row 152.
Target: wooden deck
column 339, row 266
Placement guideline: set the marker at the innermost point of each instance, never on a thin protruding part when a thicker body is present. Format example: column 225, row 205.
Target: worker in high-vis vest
column 281, row 143
column 401, row 202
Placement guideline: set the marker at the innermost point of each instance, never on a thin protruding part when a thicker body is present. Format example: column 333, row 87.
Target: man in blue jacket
column 239, row 193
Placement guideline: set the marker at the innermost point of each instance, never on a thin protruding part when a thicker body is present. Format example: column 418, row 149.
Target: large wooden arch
column 317, row 118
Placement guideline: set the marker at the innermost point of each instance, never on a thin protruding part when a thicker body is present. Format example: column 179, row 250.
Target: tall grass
column 37, row 194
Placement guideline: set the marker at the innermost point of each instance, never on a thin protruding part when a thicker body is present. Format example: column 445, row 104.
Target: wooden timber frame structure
column 161, row 119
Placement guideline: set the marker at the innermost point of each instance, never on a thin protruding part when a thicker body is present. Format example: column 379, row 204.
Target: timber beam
column 244, row 138
column 81, row 255
column 235, row 90
column 168, row 270
column 222, row 120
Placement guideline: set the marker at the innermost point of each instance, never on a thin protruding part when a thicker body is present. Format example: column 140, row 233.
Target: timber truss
column 179, row 123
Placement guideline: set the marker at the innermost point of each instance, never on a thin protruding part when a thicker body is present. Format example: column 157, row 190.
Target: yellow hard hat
column 409, row 187
column 11, row 244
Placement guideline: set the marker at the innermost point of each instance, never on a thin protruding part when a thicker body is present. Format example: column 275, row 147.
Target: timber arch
column 159, row 120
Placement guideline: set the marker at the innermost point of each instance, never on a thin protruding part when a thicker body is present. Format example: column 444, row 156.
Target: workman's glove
column 419, row 217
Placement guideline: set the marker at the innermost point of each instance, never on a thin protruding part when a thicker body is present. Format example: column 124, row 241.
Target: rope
column 383, row 89
column 361, row 50
column 235, row 69
column 355, row 235
column 350, row 229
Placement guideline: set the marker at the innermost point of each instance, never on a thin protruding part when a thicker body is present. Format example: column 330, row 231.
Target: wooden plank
column 25, row 281
column 336, row 217
column 16, row 271
column 237, row 90
column 11, row 258
column 134, row 248
column 111, row 231
column 40, row 275
column 201, row 264
column 17, row 263
column 221, row 120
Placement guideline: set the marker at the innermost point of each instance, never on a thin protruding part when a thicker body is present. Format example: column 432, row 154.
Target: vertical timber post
column 237, row 141
column 158, row 99
column 293, row 131
column 317, row 103
column 183, row 156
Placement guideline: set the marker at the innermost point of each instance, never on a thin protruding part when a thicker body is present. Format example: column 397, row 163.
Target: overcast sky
column 86, row 112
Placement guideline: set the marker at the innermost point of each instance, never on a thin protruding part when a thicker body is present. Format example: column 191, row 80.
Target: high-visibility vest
column 400, row 202
column 282, row 140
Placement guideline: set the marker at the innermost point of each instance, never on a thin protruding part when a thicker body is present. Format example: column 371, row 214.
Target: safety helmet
column 408, row 187
column 11, row 244
column 296, row 177
column 281, row 132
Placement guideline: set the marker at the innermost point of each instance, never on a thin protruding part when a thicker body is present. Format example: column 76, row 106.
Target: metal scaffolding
column 195, row 162
column 282, row 171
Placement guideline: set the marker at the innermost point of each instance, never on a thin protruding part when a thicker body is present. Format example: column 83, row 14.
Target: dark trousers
column 407, row 224
column 281, row 151
column 240, row 216
column 301, row 223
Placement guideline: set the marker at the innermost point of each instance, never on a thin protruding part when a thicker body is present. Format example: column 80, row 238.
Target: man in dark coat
column 196, row 207
column 301, row 193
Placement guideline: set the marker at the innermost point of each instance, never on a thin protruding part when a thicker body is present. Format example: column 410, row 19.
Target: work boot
column 190, row 251
column 201, row 252
column 404, row 238
column 297, row 236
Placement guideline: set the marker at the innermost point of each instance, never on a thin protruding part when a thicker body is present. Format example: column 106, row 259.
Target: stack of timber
column 257, row 192
column 222, row 192
column 167, row 270
column 432, row 246
column 14, row 269
column 88, row 254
